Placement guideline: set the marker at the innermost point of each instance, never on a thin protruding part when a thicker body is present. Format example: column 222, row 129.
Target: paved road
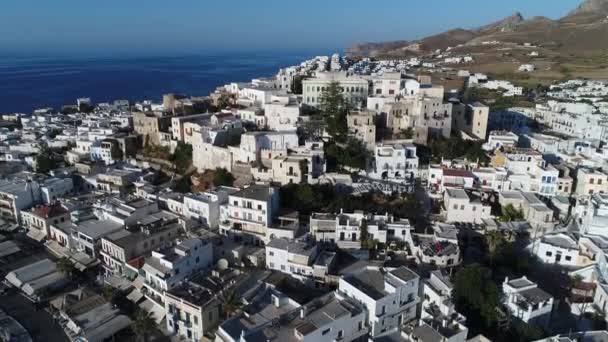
column 39, row 324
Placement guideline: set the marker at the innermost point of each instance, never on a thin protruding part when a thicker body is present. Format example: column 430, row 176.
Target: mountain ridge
column 583, row 29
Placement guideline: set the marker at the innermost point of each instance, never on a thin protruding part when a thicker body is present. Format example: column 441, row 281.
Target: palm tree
column 230, row 303
column 65, row 266
column 108, row 293
column 494, row 239
column 143, row 324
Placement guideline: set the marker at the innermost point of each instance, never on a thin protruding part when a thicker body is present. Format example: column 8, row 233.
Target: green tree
column 296, row 85
column 182, row 157
column 65, row 266
column 334, row 109
column 476, row 296
column 182, row 185
column 224, row 101
column 509, row 213
column 41, row 294
column 455, row 147
column 108, row 293
column 363, row 232
column 221, row 177
column 230, row 304
column 144, row 323
column 494, row 240
column 44, row 160
column 353, row 154
column 529, row 332
column 301, row 197
column 313, row 129
column 408, row 133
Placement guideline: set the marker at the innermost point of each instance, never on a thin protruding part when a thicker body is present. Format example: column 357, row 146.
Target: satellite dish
column 222, row 264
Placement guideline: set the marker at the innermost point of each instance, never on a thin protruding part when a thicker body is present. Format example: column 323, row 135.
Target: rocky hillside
column 583, row 30
column 598, row 7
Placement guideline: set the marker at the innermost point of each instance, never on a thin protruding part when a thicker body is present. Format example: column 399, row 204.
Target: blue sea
column 27, row 83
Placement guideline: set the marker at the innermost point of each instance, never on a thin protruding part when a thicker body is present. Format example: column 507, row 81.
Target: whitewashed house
column 390, row 296
column 395, row 162
column 461, row 206
column 526, row 302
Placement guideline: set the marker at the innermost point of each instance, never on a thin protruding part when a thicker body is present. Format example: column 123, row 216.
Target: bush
column 353, row 155
column 182, row 157
column 221, row 177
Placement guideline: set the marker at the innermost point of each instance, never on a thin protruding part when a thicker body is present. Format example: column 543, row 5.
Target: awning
column 36, row 235
column 56, row 249
column 119, row 283
column 156, row 311
column 8, row 248
column 138, row 283
column 135, row 296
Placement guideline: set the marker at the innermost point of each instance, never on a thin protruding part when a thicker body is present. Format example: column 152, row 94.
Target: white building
column 257, row 145
column 16, row 196
column 354, row 88
column 362, row 126
column 282, row 114
column 501, row 139
column 526, row 302
column 558, row 248
column 527, row 67
column 166, row 268
column 294, row 258
column 592, row 217
column 55, row 188
column 84, row 236
column 390, row 296
column 534, row 210
column 389, row 84
column 331, row 317
column 250, row 212
column 194, row 307
column 395, row 162
column 39, row 219
column 156, row 231
column 461, row 206
column 590, row 181
column 205, row 207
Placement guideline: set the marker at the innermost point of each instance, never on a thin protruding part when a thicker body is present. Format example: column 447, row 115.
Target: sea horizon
column 29, row 81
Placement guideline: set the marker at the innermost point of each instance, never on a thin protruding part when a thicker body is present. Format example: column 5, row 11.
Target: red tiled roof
column 458, row 173
column 48, row 211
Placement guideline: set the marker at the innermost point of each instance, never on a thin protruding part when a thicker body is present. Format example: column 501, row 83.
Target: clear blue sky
column 184, row 26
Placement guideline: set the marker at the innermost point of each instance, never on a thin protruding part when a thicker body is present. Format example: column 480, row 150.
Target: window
column 271, row 253
column 455, row 206
column 591, row 181
column 259, row 207
column 549, row 254
column 326, row 331
column 568, row 258
column 340, row 334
